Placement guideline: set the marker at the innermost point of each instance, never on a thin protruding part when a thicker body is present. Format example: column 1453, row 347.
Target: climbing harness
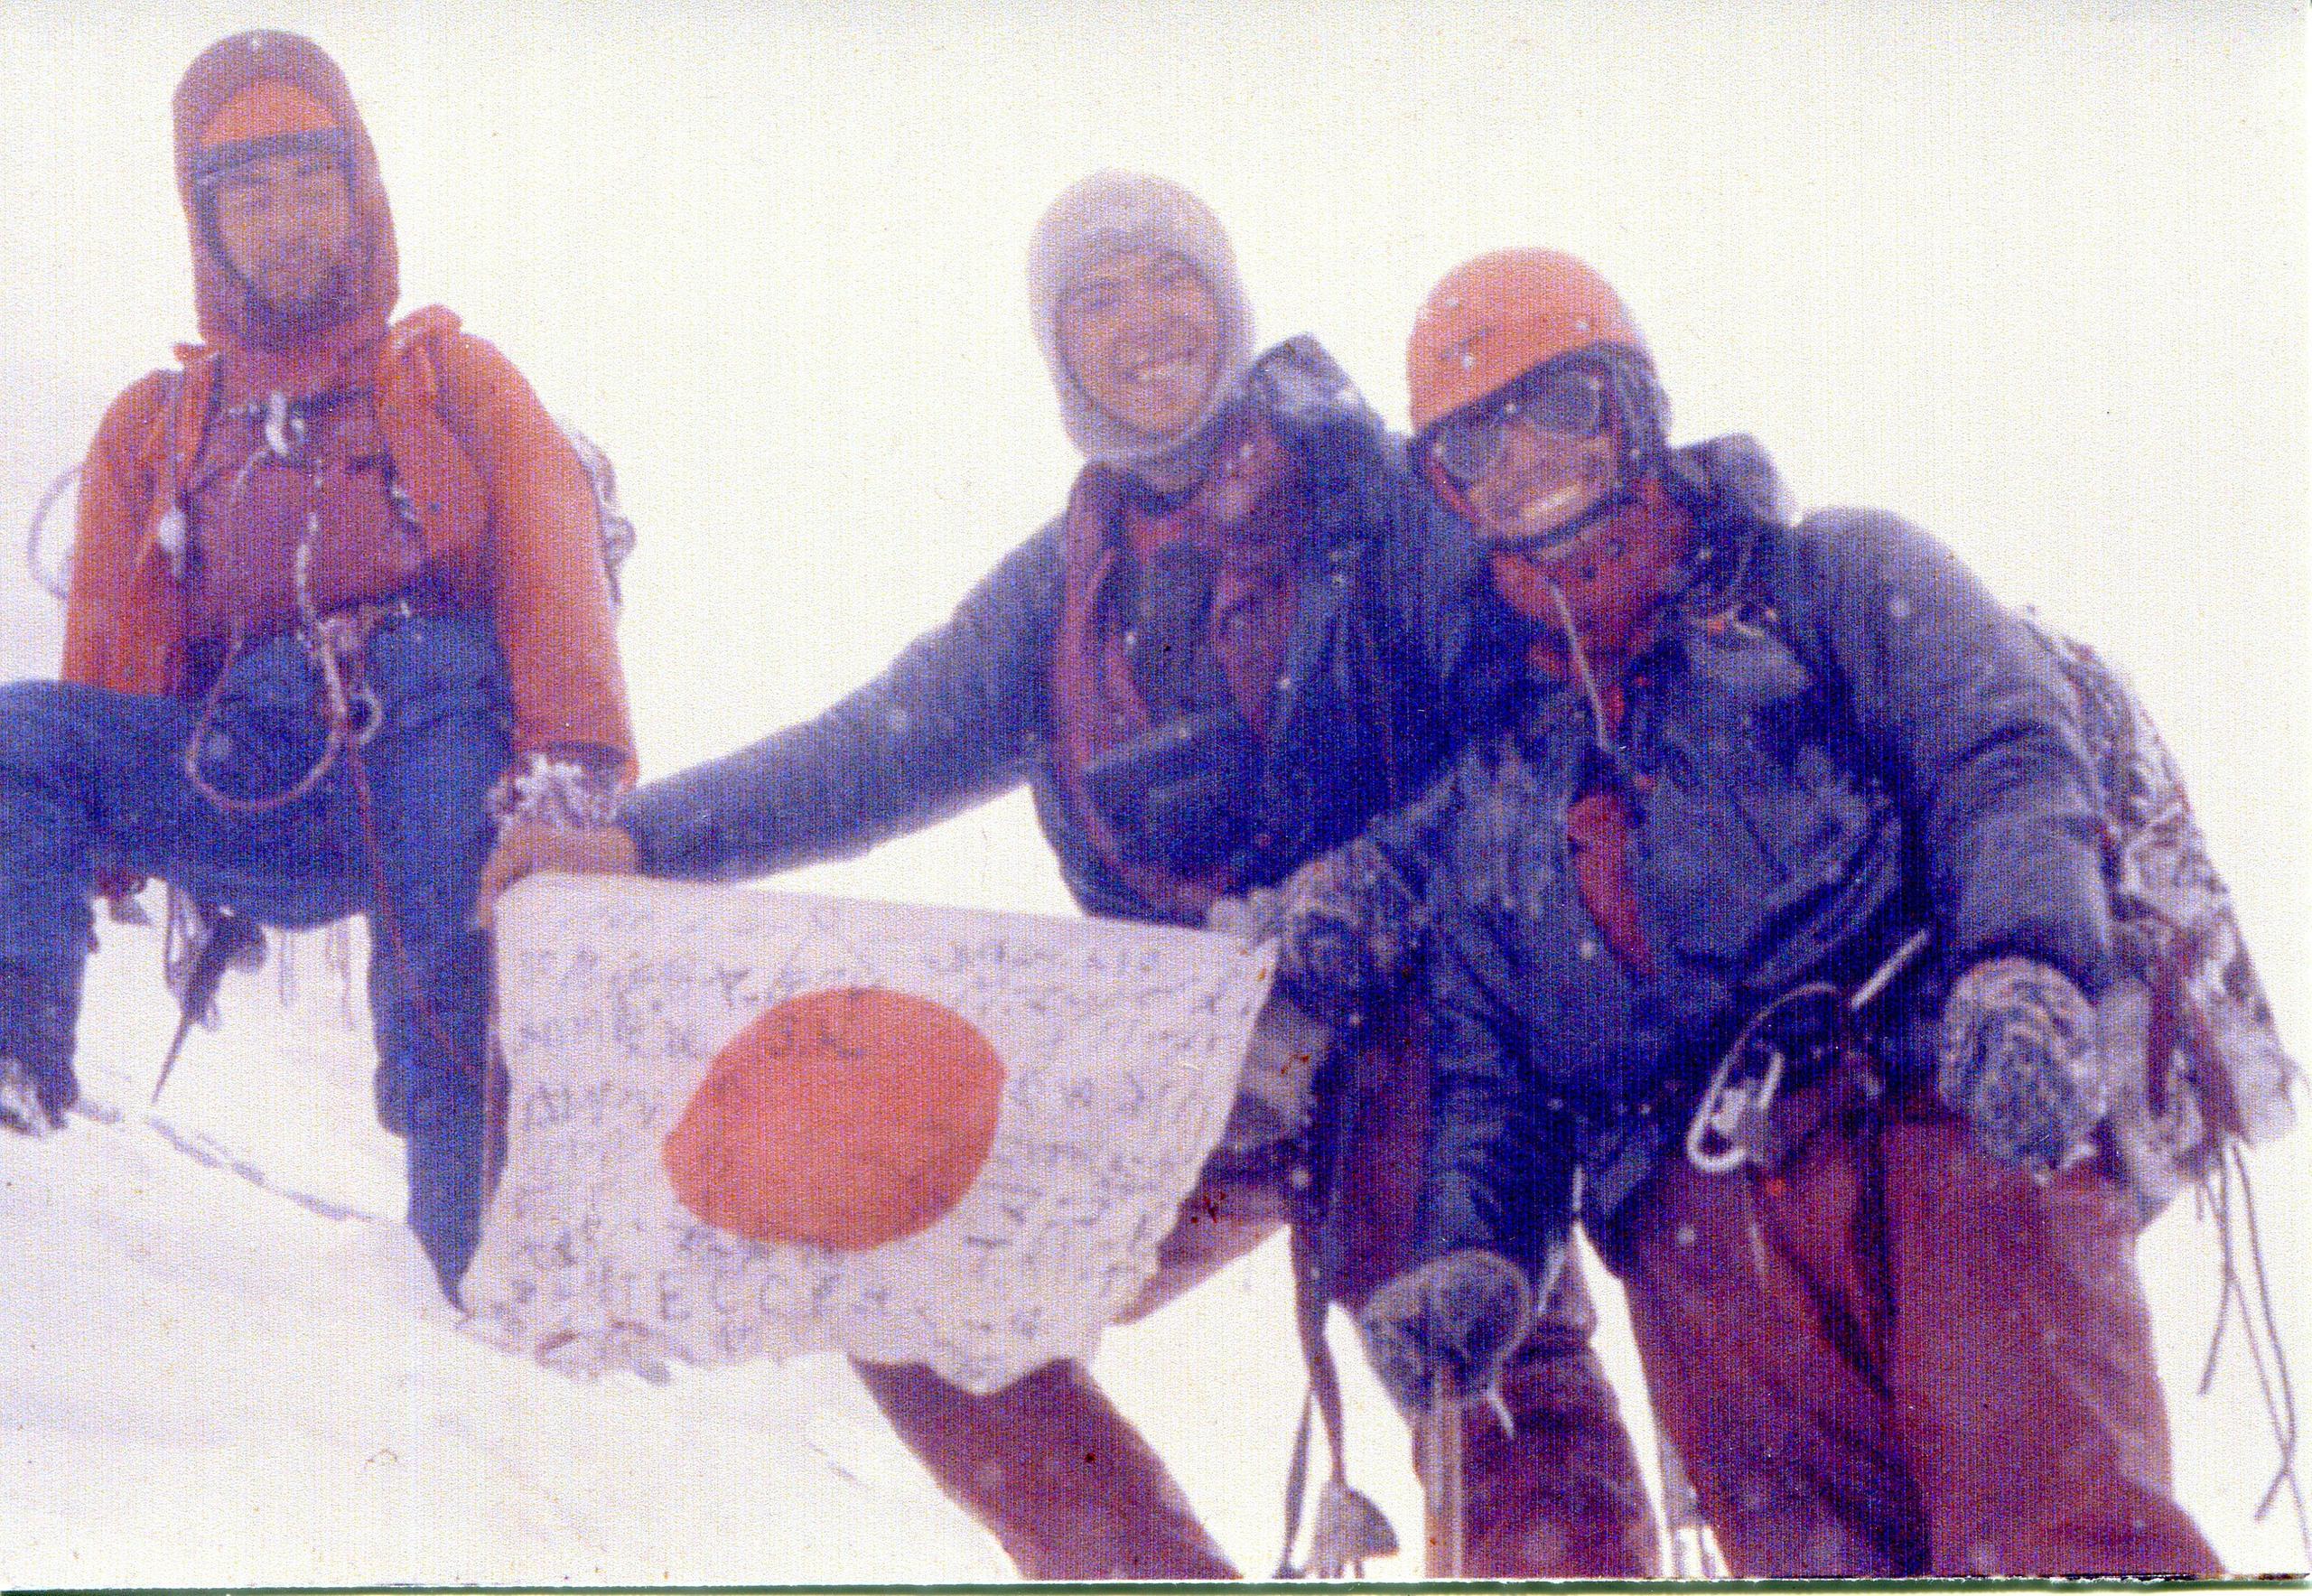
column 1732, row 1123
column 352, row 712
column 336, row 642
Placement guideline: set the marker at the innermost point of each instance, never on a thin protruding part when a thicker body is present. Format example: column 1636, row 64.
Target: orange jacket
column 505, row 510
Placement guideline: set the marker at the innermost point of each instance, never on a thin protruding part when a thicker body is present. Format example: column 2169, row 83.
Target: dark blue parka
column 1848, row 740
column 1390, row 592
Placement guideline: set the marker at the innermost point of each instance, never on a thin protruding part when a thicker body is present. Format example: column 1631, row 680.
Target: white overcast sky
column 2033, row 275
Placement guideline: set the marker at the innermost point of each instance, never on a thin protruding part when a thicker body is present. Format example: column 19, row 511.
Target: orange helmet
column 1497, row 317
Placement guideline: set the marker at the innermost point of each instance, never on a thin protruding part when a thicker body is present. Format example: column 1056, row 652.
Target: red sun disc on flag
column 848, row 1118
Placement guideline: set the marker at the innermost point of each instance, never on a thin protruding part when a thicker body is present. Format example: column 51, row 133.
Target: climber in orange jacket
column 338, row 607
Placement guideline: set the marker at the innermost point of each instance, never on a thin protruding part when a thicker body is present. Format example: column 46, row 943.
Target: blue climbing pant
column 94, row 781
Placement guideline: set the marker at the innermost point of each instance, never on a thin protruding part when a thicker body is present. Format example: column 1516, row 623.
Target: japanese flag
column 744, row 1124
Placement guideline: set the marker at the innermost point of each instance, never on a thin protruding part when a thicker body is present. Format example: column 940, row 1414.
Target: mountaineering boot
column 1555, row 1493
column 40, row 1010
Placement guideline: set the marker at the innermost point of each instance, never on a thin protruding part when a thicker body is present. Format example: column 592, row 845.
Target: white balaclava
column 1105, row 214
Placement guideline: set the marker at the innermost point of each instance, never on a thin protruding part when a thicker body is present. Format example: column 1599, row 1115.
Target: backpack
column 2196, row 1069
column 2196, row 1059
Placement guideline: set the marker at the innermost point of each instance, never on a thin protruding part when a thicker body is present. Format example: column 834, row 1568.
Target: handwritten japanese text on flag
column 744, row 1124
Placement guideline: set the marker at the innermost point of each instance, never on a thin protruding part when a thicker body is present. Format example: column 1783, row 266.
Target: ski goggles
column 1567, row 400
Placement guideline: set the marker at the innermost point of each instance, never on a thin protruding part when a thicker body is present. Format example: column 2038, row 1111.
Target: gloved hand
column 524, row 848
column 1460, row 1316
column 1276, row 1091
column 555, row 811
column 1345, row 925
column 2018, row 1059
column 1252, row 918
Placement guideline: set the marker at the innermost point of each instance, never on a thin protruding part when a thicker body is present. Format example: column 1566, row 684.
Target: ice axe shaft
column 223, row 941
column 176, row 1046
column 1444, row 1502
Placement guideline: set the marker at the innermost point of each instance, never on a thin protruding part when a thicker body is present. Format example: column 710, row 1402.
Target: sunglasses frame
column 1475, row 433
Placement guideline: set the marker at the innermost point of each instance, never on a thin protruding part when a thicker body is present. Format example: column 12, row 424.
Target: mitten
column 2018, row 1060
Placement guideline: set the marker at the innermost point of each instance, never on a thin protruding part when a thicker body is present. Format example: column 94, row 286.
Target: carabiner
column 1730, row 1120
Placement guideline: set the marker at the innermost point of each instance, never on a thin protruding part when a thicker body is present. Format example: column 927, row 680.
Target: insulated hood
column 1102, row 216
column 212, row 84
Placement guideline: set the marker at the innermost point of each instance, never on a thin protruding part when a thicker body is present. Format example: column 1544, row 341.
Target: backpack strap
column 180, row 422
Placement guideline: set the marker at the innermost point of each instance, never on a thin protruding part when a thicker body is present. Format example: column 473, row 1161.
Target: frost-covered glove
column 1252, row 918
column 2018, row 1059
column 552, row 814
column 1460, row 1316
column 1275, row 1092
column 1345, row 925
column 561, row 794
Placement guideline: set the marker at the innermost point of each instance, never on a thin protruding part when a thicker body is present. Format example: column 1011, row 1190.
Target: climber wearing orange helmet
column 1765, row 943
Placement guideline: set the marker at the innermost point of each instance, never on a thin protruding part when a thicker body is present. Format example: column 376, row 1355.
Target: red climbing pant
column 1898, row 1355
column 1069, row 1486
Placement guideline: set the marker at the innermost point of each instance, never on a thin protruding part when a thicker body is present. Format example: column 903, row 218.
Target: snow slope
column 216, row 1381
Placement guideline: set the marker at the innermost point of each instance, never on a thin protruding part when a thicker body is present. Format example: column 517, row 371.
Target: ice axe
column 1445, row 1508
column 220, row 940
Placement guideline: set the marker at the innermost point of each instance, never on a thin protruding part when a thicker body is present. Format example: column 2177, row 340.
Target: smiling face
column 1140, row 334
column 285, row 225
column 1536, row 458
column 1541, row 485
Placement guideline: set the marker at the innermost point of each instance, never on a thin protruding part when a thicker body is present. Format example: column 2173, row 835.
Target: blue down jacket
column 1849, row 741
column 1390, row 593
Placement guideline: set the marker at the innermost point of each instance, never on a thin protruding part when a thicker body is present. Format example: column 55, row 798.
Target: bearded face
column 284, row 223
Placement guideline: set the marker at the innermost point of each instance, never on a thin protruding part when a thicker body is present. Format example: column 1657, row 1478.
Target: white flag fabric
column 745, row 1124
